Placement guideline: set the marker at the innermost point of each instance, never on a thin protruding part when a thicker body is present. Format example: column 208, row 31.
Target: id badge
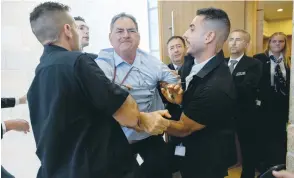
column 258, row 102
column 139, row 159
column 180, row 150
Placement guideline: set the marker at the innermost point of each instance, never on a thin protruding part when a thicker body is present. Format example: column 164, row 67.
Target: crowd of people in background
column 93, row 114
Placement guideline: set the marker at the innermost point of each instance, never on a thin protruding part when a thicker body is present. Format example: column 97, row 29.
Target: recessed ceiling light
column 280, row 10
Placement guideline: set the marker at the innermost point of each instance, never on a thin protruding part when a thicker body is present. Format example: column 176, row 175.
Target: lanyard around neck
column 124, row 79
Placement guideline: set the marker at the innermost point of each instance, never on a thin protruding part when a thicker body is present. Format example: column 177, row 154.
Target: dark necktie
column 279, row 80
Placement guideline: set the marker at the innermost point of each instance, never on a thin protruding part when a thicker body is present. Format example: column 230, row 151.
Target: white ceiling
column 270, row 10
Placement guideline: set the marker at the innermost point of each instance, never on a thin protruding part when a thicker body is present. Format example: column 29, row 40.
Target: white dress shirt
column 273, row 66
column 176, row 67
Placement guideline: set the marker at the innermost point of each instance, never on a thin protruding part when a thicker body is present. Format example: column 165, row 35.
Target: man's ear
column 67, row 30
column 247, row 45
column 210, row 36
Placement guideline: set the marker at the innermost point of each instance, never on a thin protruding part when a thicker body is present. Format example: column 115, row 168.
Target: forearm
column 128, row 114
column 184, row 127
column 178, row 129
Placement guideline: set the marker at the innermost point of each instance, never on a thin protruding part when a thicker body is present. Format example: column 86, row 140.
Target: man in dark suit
column 246, row 72
column 208, row 98
column 176, row 48
column 14, row 124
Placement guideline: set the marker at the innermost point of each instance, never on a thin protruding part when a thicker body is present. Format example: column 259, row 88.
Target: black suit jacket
column 246, row 76
column 174, row 109
column 273, row 105
column 7, row 102
column 171, row 66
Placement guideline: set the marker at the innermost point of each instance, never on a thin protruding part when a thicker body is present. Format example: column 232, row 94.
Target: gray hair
column 47, row 19
column 123, row 15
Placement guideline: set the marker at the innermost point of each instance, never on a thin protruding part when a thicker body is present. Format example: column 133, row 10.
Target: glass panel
column 152, row 3
column 153, row 29
column 155, row 54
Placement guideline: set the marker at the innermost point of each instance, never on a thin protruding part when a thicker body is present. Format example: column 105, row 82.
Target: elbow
column 128, row 114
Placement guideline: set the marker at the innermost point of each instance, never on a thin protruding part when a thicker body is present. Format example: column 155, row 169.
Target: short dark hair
column 123, row 15
column 79, row 18
column 45, row 21
column 218, row 15
column 176, row 37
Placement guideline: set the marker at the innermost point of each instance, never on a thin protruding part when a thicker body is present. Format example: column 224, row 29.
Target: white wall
column 20, row 55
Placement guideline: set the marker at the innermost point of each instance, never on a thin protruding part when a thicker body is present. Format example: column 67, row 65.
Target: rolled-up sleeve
column 104, row 94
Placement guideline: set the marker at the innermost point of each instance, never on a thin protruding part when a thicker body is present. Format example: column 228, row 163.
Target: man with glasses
column 139, row 73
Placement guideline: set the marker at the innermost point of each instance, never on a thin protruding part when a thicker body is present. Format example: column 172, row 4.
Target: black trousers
column 272, row 130
column 249, row 150
column 274, row 150
column 154, row 152
column 5, row 174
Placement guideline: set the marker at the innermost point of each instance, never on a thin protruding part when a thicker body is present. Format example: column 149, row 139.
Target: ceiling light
column 280, row 10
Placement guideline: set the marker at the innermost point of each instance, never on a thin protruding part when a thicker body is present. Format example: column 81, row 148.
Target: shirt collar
column 202, row 63
column 118, row 60
column 238, row 59
column 210, row 65
column 175, row 66
column 271, row 54
column 50, row 48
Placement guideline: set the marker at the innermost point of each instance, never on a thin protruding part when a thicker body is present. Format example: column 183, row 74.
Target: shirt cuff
column 17, row 101
column 3, row 128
